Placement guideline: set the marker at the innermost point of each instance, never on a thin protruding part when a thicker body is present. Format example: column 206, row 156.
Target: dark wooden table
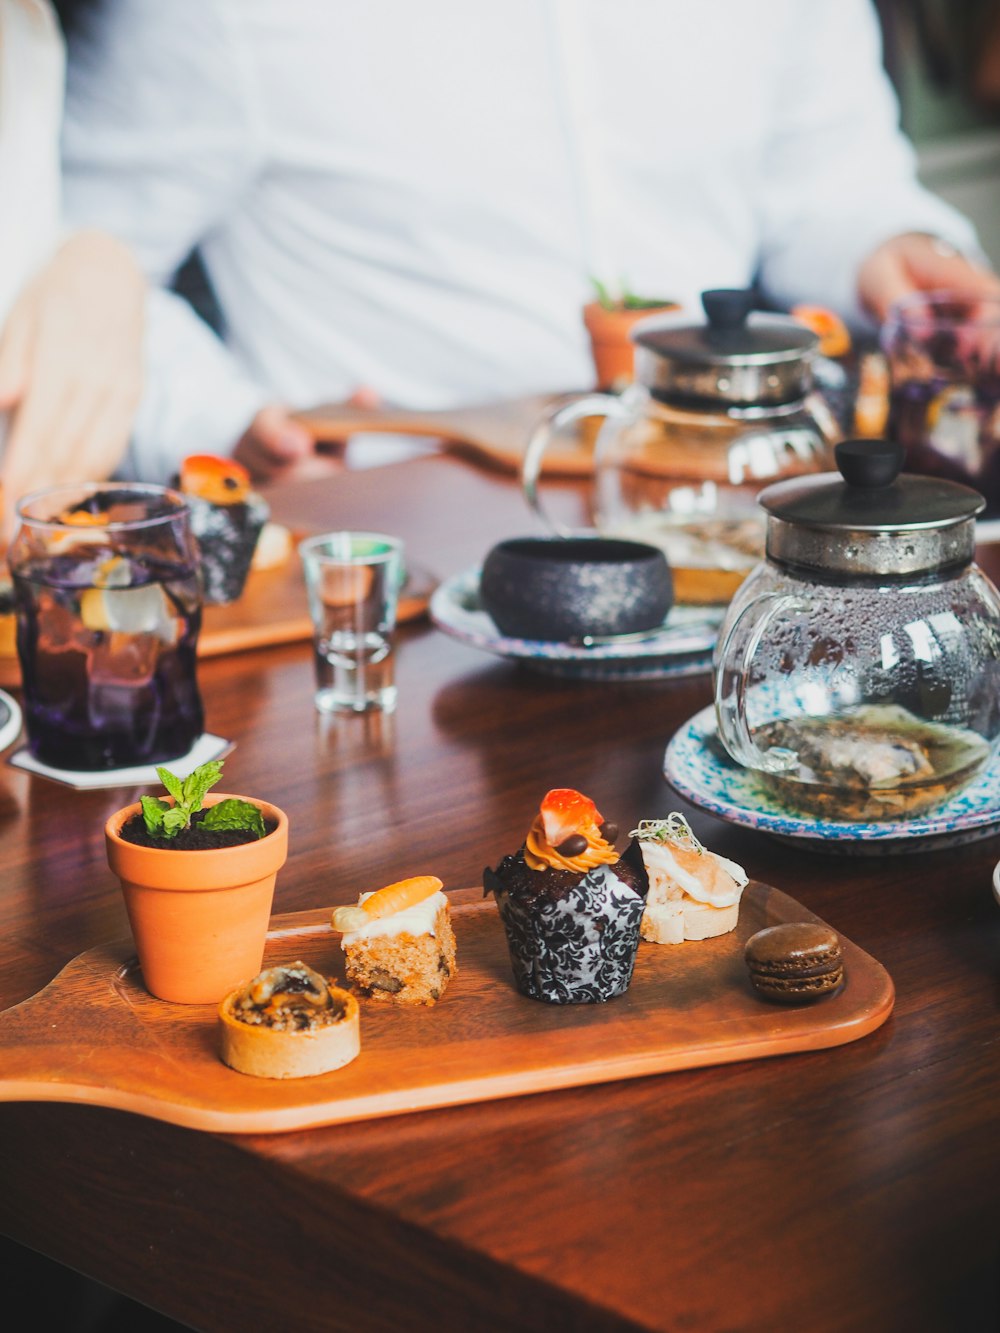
column 851, row 1189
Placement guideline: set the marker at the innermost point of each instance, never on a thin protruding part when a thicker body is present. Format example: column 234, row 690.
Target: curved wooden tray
column 272, row 610
column 95, row 1035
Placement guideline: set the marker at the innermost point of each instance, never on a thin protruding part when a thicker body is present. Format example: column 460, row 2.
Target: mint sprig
column 626, row 299
column 165, row 821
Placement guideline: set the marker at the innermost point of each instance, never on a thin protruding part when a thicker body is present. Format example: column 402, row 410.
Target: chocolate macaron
column 795, row 963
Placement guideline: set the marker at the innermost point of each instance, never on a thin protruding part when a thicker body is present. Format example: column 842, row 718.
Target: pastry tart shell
column 271, row 1053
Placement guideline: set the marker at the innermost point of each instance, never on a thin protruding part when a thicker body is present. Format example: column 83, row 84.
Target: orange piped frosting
column 219, row 481
column 563, row 814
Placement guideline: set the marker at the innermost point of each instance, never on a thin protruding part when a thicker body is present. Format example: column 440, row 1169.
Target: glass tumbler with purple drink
column 943, row 353
column 108, row 614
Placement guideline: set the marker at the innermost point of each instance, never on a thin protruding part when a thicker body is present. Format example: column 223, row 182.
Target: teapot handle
column 590, row 405
column 732, row 682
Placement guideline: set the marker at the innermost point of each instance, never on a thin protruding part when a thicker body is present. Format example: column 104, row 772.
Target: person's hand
column 916, row 262
column 71, row 366
column 278, row 447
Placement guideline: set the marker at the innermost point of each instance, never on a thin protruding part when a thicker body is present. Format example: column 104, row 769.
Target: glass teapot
column 858, row 668
column 718, row 410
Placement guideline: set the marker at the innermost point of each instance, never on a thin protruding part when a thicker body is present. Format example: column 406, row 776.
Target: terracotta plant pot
column 611, row 346
column 199, row 919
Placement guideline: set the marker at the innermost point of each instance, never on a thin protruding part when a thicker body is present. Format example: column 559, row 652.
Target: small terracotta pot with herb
column 609, row 321
column 197, row 873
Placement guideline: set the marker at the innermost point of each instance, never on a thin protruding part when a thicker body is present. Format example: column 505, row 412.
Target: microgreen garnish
column 166, row 821
column 674, row 828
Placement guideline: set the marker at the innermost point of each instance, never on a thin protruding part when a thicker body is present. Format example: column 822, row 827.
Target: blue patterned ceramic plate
column 10, row 720
column 682, row 648
column 696, row 766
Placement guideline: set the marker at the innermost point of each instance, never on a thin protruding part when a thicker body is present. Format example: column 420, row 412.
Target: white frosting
column 416, row 920
column 671, row 880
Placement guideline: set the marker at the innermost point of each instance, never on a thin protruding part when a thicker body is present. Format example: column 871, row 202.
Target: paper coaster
column 205, row 747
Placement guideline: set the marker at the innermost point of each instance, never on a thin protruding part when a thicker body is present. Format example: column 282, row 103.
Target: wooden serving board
column 494, row 434
column 95, row 1035
column 272, row 609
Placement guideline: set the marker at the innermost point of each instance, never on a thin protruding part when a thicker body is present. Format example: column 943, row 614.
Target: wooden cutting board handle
column 492, row 434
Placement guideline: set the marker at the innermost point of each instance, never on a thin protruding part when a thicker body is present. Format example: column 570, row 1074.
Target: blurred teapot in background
column 719, row 409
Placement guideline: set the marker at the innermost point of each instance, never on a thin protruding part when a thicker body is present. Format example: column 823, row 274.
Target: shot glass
column 943, row 353
column 108, row 613
column 353, row 581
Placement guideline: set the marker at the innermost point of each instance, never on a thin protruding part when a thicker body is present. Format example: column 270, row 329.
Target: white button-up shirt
column 414, row 196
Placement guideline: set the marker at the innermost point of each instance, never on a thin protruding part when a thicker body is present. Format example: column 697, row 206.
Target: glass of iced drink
column 943, row 352
column 108, row 613
column 353, row 581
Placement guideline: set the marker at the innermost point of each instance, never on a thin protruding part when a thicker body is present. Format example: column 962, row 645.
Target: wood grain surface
column 96, row 1035
column 853, row 1188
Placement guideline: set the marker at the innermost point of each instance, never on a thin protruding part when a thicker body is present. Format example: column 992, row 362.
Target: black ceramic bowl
column 564, row 588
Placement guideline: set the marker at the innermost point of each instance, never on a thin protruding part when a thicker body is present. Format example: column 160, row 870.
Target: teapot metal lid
column 735, row 359
column 869, row 520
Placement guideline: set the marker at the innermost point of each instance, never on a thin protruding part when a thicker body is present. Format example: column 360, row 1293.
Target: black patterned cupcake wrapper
column 227, row 538
column 579, row 949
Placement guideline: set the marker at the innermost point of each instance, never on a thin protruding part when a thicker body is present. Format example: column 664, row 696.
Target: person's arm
column 844, row 221
column 70, row 372
column 159, row 144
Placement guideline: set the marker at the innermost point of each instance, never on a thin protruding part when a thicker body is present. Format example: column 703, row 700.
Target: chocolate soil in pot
column 191, row 839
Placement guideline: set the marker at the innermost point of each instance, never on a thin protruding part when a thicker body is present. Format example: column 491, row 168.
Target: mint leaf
column 234, row 814
column 196, row 784
column 152, row 812
column 172, row 784
column 174, row 820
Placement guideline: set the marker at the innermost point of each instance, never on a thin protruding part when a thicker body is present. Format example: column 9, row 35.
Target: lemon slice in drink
column 141, row 610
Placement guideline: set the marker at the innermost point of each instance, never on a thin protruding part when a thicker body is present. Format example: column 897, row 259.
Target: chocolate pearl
column 609, row 831
column 573, row 845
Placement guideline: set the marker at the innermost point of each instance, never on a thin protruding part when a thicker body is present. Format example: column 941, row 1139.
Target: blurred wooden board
column 494, row 434
column 95, row 1035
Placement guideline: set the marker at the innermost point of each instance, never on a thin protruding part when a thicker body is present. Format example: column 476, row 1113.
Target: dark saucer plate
column 697, row 767
column 683, row 647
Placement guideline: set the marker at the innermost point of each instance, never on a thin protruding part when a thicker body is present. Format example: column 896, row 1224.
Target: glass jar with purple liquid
column 943, row 352
column 108, row 614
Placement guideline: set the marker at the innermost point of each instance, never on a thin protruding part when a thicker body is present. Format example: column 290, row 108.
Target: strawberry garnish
column 565, row 812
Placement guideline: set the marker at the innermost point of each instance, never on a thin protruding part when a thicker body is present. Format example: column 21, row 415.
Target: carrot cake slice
column 398, row 942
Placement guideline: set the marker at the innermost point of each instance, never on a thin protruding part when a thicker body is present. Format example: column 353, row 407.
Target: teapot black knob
column 726, row 308
column 869, row 463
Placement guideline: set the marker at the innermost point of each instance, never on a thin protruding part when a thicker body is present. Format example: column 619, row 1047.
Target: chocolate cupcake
column 571, row 907
column 226, row 518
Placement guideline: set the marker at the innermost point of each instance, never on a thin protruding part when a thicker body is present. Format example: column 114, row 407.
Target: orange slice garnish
column 386, row 902
column 83, row 518
column 834, row 338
